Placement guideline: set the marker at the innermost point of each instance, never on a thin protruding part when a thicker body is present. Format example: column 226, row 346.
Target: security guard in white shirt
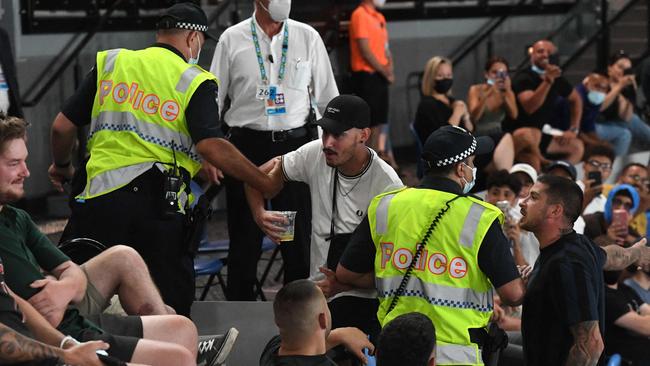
column 274, row 73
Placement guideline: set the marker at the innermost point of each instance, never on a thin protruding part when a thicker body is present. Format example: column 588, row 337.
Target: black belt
column 275, row 136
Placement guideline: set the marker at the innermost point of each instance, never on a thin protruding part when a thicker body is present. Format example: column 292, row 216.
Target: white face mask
column 379, row 3
column 278, row 9
column 194, row 61
column 469, row 185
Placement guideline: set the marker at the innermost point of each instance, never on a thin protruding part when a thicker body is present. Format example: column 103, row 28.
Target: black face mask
column 443, row 85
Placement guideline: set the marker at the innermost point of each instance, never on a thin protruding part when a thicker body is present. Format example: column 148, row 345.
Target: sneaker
column 213, row 350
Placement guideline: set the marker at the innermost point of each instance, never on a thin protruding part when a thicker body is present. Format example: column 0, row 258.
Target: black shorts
column 122, row 333
column 373, row 88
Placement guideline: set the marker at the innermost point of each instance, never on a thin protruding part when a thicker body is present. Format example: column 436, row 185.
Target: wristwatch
column 574, row 130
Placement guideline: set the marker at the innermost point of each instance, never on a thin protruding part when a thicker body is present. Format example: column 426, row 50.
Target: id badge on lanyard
column 272, row 95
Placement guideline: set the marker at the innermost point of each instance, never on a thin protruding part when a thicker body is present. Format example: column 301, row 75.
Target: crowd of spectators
column 555, row 220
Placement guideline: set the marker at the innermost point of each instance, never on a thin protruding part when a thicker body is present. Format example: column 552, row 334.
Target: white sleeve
column 220, row 68
column 297, row 164
column 323, row 84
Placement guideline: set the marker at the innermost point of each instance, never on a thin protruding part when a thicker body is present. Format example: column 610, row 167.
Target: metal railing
column 52, row 73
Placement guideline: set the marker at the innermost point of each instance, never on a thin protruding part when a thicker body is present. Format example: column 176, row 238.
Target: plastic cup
column 290, row 216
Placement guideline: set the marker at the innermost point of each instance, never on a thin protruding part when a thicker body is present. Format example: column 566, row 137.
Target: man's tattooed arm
column 14, row 347
column 587, row 344
column 618, row 257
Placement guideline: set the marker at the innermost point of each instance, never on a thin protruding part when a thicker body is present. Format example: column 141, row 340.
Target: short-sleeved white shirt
column 308, row 165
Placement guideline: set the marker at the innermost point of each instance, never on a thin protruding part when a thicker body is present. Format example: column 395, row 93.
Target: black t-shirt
column 530, row 80
column 494, row 256
column 202, row 112
column 630, row 345
column 431, row 115
column 565, row 288
column 270, row 357
column 611, row 112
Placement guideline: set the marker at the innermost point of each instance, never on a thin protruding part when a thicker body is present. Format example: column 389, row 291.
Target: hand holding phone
column 620, row 219
column 596, row 177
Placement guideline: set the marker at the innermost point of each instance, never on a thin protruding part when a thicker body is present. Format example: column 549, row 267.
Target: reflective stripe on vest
column 116, row 178
column 471, row 224
column 186, row 79
column 382, row 213
column 453, row 354
column 149, row 132
column 454, row 297
column 111, row 56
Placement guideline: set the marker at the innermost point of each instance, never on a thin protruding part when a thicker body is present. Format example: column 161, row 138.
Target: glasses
column 637, row 178
column 602, row 166
column 617, row 202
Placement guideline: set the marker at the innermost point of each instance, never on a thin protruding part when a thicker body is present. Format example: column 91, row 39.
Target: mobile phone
column 620, row 217
column 554, row 59
column 371, row 358
column 596, row 176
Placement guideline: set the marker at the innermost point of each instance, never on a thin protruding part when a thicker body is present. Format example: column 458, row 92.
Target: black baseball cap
column 452, row 144
column 185, row 15
column 563, row 165
column 343, row 113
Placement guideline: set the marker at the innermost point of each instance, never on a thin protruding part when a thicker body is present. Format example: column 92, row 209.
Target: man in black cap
column 153, row 123
column 343, row 175
column 463, row 256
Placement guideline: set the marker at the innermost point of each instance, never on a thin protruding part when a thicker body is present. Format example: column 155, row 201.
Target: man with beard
column 343, row 176
column 563, row 310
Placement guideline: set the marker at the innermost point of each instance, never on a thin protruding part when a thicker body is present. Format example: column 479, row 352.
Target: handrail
column 465, row 48
column 56, row 74
column 68, row 60
column 574, row 56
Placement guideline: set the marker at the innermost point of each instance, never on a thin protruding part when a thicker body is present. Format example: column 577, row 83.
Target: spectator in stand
column 489, row 104
column 537, row 89
column 527, row 175
column 639, row 282
column 603, row 229
column 598, row 158
column 502, row 191
column 409, row 339
column 636, row 175
column 627, row 323
column 372, row 66
column 305, row 322
column 592, row 91
column 620, row 122
column 437, row 107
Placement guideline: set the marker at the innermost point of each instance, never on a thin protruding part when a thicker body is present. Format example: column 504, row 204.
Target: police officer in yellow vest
column 152, row 116
column 464, row 256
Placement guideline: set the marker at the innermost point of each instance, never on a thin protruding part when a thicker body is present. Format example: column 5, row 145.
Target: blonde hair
column 430, row 71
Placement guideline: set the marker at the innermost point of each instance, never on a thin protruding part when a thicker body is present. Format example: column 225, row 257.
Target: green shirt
column 25, row 251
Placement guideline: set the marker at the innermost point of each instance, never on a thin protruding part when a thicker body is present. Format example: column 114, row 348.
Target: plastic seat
column 207, row 266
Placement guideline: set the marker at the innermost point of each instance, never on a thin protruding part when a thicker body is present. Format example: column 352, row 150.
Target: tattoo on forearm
column 587, row 344
column 14, row 347
column 618, row 258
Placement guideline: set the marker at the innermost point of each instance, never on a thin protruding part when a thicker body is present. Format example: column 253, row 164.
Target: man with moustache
column 343, row 176
column 563, row 310
column 274, row 73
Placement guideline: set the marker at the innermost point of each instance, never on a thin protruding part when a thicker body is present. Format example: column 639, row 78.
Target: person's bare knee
column 152, row 352
column 185, row 333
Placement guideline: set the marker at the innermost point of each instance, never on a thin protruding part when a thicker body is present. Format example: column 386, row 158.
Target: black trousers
column 245, row 235
column 132, row 215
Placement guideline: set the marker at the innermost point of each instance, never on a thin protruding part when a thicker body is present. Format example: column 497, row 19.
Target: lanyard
column 260, row 59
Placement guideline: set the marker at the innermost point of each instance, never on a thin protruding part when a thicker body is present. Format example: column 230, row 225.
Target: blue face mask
column 192, row 60
column 537, row 70
column 469, row 185
column 596, row 97
column 490, row 81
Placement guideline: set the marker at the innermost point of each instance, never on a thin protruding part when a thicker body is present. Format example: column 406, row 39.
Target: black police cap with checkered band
column 452, row 144
column 185, row 16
